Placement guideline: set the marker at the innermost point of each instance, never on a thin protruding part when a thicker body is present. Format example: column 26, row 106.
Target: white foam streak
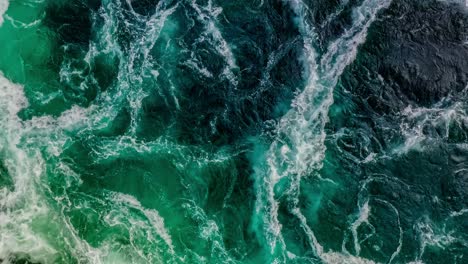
column 364, row 211
column 19, row 24
column 342, row 51
column 299, row 148
column 209, row 231
column 400, row 229
column 459, row 213
column 143, row 48
column 416, row 120
column 196, row 65
column 153, row 30
column 208, row 16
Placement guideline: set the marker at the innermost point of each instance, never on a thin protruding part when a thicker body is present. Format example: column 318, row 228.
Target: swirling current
column 234, row 131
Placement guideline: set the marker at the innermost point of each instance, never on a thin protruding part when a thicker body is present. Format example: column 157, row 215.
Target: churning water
column 233, row 131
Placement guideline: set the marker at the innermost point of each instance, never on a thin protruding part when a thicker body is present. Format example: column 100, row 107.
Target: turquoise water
column 215, row 131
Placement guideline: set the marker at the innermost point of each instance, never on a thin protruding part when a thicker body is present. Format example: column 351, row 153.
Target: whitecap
column 153, row 216
column 3, row 8
column 441, row 116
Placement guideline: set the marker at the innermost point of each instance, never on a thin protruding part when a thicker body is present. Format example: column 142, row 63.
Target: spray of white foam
column 298, row 148
column 433, row 236
column 140, row 62
column 155, row 220
column 459, row 213
column 208, row 16
column 209, row 231
column 428, row 124
column 3, row 8
column 136, row 62
column 335, row 257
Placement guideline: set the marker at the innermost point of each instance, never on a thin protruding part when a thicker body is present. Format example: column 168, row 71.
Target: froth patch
column 21, row 206
column 334, row 257
column 153, row 216
column 12, row 96
column 3, row 8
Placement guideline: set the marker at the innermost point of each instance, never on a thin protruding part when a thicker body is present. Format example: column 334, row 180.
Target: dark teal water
column 213, row 131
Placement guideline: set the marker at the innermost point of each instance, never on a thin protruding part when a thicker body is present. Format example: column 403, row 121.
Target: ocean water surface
column 234, row 131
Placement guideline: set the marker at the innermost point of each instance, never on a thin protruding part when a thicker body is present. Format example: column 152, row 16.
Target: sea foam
column 3, row 8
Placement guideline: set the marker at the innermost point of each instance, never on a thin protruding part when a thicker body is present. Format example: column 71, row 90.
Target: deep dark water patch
column 418, row 49
column 409, row 73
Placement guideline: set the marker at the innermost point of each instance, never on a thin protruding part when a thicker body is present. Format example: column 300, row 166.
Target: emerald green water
column 212, row 131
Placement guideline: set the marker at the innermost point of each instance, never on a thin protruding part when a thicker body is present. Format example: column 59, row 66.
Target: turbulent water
column 233, row 131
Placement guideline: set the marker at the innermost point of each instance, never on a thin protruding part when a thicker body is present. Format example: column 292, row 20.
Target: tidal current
column 234, row 131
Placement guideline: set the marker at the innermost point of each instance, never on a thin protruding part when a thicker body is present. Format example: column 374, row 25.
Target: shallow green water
column 213, row 131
